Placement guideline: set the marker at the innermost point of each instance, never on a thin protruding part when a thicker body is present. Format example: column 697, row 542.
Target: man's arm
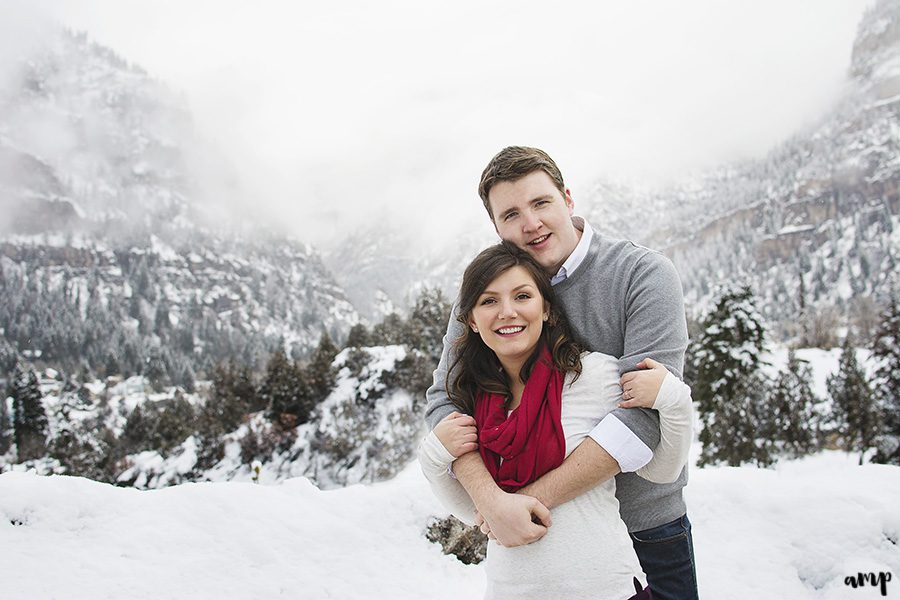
column 655, row 323
column 438, row 403
column 587, row 466
column 655, row 326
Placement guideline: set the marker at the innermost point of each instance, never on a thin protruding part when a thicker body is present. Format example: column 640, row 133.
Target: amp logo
column 861, row 579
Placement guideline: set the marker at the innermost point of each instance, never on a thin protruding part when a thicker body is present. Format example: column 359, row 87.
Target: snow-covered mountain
column 384, row 268
column 108, row 241
column 813, row 226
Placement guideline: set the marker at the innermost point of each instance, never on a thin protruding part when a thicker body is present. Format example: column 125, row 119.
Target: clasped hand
column 511, row 519
column 519, row 519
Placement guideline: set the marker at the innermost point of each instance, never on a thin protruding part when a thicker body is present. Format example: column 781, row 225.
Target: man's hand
column 509, row 516
column 518, row 518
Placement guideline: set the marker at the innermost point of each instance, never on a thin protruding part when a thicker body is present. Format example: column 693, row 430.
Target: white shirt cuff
column 433, row 455
column 621, row 443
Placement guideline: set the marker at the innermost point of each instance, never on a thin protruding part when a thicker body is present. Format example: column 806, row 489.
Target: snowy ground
column 793, row 532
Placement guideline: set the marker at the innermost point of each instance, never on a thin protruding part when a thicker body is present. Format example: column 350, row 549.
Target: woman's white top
column 587, row 552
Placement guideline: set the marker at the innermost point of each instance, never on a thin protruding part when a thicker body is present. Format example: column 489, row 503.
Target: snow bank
column 793, row 532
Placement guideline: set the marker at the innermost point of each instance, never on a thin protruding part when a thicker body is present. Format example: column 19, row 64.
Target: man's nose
column 530, row 221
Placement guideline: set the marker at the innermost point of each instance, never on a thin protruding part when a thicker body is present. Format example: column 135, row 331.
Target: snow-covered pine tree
column 794, row 427
column 359, row 337
column 730, row 388
column 320, row 374
column 854, row 408
column 427, row 324
column 389, row 331
column 423, row 337
column 29, row 418
column 285, row 390
column 886, row 383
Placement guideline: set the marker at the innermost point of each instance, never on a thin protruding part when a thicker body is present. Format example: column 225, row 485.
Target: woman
column 534, row 397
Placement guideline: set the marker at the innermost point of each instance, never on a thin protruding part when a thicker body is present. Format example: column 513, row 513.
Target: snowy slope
column 793, row 532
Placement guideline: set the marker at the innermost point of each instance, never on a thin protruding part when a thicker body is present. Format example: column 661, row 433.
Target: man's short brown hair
column 513, row 163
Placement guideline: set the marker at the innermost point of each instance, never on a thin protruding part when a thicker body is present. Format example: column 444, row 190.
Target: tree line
column 750, row 416
column 286, row 391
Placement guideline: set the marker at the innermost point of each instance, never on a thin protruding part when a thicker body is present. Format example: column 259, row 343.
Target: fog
column 338, row 115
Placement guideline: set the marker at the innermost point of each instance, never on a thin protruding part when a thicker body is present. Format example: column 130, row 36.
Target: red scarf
column 530, row 440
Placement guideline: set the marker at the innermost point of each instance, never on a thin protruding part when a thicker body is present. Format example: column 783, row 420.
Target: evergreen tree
column 29, row 418
column 157, row 367
column 853, row 407
column 886, row 352
column 185, row 376
column 730, row 388
column 792, row 406
column 8, row 356
column 359, row 337
column 427, row 324
column 233, row 397
column 285, row 390
column 320, row 374
column 389, row 332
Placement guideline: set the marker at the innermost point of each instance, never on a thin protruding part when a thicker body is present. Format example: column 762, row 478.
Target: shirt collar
column 578, row 254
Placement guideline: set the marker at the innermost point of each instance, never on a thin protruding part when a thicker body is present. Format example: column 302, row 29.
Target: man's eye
column 509, row 216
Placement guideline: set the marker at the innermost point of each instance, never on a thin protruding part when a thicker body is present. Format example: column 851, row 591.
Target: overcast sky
column 342, row 113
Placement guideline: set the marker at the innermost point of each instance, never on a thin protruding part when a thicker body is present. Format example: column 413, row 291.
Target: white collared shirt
column 578, row 254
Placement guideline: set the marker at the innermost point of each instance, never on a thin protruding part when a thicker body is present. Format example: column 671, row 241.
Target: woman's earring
column 475, row 329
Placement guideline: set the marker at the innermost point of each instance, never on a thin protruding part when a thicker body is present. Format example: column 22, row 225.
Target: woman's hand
column 639, row 388
column 457, row 433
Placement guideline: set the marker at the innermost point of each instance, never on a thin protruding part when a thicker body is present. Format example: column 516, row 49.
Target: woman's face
column 509, row 316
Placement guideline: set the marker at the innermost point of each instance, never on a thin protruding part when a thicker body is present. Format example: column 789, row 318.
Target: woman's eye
column 487, row 301
column 523, row 296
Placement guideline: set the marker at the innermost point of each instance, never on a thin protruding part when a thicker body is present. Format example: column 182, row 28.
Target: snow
column 789, row 229
column 795, row 531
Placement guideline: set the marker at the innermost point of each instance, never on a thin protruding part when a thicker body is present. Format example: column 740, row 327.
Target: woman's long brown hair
column 476, row 367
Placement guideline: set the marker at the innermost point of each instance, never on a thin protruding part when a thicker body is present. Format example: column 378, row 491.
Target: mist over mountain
column 812, row 227
column 110, row 241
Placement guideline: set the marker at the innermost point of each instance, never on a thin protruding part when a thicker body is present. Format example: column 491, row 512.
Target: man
column 622, row 300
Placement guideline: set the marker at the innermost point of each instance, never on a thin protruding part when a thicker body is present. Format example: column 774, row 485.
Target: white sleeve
column 675, row 419
column 621, row 443
column 435, row 461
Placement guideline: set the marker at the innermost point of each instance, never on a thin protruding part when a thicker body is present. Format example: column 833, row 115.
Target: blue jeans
column 667, row 556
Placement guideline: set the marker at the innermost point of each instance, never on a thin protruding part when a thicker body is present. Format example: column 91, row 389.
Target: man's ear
column 569, row 202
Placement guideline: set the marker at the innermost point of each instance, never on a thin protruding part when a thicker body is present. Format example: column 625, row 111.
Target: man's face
column 532, row 214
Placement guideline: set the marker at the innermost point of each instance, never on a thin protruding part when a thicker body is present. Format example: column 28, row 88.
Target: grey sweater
column 626, row 301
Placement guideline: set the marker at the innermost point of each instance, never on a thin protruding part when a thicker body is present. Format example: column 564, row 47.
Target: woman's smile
column 509, row 316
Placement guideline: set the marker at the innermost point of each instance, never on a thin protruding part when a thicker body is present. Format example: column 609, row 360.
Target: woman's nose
column 507, row 310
